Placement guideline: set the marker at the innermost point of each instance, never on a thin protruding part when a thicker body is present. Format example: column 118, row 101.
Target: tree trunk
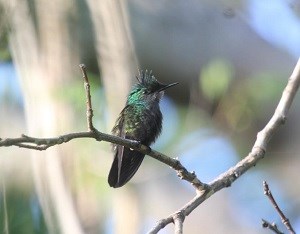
column 43, row 62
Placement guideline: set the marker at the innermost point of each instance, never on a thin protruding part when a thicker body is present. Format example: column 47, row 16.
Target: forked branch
column 257, row 152
column 284, row 219
column 203, row 191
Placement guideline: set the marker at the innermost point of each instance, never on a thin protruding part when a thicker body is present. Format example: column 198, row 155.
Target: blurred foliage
column 4, row 29
column 250, row 99
column 264, row 88
column 74, row 93
column 242, row 102
column 215, row 79
column 21, row 211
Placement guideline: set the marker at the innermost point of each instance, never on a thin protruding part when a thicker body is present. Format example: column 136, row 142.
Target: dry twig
column 272, row 226
column 89, row 109
column 284, row 219
column 257, row 152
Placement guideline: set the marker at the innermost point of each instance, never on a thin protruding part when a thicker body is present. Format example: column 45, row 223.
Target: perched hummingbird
column 140, row 120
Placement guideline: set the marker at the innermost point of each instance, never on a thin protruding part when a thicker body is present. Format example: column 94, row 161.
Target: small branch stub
column 89, row 109
column 272, row 226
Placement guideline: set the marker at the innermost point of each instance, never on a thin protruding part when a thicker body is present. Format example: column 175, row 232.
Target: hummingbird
column 140, row 120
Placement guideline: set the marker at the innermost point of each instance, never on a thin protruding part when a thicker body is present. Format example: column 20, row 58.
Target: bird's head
column 148, row 89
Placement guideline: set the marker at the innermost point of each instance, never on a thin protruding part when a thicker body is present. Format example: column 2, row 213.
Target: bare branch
column 177, row 218
column 204, row 191
column 281, row 112
column 178, row 222
column 44, row 143
column 160, row 225
column 284, row 219
column 89, row 109
column 272, row 226
column 257, row 152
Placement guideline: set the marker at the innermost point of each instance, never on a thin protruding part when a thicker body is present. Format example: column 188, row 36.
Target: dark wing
column 120, row 175
column 126, row 161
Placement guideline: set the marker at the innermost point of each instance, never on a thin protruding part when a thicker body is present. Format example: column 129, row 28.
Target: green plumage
column 140, row 120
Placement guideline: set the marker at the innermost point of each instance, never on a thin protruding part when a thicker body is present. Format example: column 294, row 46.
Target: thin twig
column 284, row 219
column 89, row 109
column 272, row 226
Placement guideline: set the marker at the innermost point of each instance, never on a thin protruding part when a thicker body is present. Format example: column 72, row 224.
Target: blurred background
column 232, row 59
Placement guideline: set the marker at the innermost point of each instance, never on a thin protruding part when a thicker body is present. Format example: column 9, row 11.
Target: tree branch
column 89, row 109
column 272, row 226
column 178, row 222
column 44, row 143
column 257, row 152
column 203, row 191
column 284, row 219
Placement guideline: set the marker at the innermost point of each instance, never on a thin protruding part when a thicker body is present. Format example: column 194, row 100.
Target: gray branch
column 203, row 191
column 257, row 152
column 284, row 219
column 271, row 226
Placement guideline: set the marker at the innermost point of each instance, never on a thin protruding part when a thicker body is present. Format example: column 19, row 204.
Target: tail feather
column 121, row 173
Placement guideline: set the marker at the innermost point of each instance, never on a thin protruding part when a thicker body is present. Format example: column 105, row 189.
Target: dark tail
column 131, row 161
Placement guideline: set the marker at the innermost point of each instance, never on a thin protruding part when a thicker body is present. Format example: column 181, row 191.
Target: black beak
column 164, row 87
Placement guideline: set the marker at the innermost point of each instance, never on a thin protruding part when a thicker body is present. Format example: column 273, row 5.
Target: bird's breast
column 144, row 126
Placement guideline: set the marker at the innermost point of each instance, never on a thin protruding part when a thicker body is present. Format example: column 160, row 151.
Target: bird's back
column 134, row 123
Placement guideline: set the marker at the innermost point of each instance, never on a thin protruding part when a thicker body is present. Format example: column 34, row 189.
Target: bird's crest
column 145, row 77
column 147, row 80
